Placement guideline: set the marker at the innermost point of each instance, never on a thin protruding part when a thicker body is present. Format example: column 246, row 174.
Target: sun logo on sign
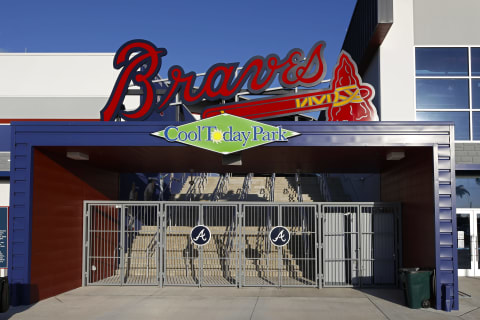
column 217, row 136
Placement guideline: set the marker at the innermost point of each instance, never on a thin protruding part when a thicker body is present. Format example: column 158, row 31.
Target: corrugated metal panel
column 445, row 201
column 446, row 265
column 446, row 240
column 445, row 189
column 446, row 232
column 445, row 213
column 20, row 226
column 444, row 176
column 444, row 150
column 369, row 24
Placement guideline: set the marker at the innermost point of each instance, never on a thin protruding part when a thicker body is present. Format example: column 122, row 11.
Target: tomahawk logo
column 279, row 236
column 200, row 235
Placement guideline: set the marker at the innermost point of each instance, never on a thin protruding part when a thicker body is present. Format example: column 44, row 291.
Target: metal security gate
column 360, row 244
column 216, row 263
column 121, row 244
column 264, row 264
column 330, row 244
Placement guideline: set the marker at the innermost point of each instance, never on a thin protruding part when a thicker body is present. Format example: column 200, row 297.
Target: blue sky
column 196, row 34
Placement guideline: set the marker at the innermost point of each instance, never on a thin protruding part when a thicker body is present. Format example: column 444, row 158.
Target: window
column 441, row 62
column 461, row 120
column 447, row 85
column 476, row 62
column 442, row 94
column 476, row 93
column 468, row 190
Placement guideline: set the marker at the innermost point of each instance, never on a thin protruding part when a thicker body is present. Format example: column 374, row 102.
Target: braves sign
column 348, row 99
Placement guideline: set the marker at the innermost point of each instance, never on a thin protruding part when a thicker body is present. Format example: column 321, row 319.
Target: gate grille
column 214, row 264
column 103, row 245
column 180, row 256
column 148, row 243
column 340, row 239
column 122, row 245
column 360, row 244
column 261, row 260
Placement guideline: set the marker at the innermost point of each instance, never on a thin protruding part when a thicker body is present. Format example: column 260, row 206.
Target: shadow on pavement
column 393, row 295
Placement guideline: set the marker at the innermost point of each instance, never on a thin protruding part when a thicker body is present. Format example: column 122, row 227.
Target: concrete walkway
column 142, row 303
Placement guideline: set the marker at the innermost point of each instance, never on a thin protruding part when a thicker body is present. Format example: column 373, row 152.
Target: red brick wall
column 59, row 187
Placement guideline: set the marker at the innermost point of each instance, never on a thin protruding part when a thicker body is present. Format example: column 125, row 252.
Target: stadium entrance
column 326, row 244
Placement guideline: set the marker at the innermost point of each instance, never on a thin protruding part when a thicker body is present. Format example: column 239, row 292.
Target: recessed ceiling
column 259, row 160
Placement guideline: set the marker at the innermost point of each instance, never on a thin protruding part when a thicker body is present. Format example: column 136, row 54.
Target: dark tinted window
column 461, row 119
column 442, row 94
column 476, row 125
column 475, row 61
column 441, row 61
column 476, row 93
column 468, row 190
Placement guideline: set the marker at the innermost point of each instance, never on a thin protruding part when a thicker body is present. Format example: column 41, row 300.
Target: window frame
column 469, row 77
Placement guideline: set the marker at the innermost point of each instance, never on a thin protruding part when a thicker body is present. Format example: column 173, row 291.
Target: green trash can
column 417, row 286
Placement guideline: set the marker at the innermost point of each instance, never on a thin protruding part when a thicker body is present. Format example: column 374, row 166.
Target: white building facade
column 423, row 58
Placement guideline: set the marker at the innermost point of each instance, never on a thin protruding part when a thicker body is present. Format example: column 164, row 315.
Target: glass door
column 468, row 224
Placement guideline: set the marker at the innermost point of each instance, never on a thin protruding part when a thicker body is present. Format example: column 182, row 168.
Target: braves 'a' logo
column 200, row 235
column 279, row 236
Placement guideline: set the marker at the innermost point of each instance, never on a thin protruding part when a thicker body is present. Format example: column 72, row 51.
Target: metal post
column 85, row 251
column 279, row 249
column 238, row 233
column 122, row 243
column 359, row 245
column 160, row 219
column 200, row 250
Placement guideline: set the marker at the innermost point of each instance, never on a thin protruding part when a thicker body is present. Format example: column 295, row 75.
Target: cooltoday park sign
column 224, row 128
column 225, row 134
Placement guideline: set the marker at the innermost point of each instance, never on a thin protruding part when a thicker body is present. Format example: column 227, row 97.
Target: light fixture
column 77, row 155
column 233, row 159
column 395, row 155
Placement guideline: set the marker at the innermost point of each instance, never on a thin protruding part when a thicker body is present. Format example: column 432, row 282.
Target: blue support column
column 20, row 225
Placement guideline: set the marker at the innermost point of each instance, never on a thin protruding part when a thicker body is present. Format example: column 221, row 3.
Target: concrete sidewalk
column 179, row 303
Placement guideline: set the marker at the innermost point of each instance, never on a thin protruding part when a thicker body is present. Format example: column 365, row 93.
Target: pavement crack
column 253, row 310
column 58, row 300
column 468, row 312
column 378, row 308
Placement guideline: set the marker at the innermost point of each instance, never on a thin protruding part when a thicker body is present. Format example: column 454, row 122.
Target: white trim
column 474, row 270
column 470, row 90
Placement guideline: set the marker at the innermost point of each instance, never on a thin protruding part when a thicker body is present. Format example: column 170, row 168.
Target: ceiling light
column 395, row 155
column 77, row 156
